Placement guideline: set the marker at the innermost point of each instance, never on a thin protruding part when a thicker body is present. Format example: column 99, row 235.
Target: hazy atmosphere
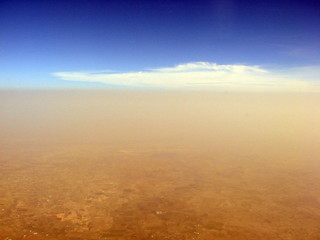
column 181, row 120
column 160, row 165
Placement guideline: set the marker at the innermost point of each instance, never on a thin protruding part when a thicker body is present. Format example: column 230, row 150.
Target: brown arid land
column 159, row 165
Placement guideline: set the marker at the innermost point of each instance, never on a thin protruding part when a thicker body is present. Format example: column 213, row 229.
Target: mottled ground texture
column 155, row 165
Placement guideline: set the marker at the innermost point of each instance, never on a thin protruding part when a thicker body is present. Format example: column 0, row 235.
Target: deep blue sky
column 41, row 37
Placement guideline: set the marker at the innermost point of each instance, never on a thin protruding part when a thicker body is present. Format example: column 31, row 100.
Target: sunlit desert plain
column 159, row 165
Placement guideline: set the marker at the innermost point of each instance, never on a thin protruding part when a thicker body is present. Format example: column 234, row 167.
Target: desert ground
column 159, row 165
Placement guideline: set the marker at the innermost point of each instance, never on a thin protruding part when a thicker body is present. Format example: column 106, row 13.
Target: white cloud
column 204, row 75
column 200, row 66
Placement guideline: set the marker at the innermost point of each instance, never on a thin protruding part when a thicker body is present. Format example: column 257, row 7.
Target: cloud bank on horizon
column 207, row 76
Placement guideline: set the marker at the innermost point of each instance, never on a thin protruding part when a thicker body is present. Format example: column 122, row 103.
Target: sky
column 217, row 44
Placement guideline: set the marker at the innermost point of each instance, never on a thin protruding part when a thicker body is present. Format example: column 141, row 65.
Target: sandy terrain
column 155, row 165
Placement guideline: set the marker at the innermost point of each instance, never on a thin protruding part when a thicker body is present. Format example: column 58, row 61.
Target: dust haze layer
column 152, row 164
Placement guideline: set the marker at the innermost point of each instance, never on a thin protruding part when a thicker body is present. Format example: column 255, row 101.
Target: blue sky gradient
column 40, row 38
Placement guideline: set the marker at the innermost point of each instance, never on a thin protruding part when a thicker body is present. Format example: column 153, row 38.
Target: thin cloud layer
column 201, row 66
column 203, row 75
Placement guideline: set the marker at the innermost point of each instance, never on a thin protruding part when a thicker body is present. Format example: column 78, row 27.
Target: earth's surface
column 163, row 166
